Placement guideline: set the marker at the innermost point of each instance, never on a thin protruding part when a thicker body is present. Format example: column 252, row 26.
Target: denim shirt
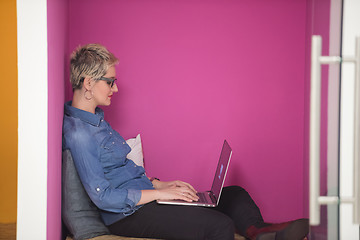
column 112, row 181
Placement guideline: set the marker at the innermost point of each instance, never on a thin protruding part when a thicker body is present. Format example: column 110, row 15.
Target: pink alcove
column 191, row 74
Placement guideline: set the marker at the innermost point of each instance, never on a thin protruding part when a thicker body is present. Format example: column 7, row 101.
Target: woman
column 121, row 189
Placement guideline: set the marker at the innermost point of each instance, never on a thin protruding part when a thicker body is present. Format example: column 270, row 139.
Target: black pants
column 236, row 210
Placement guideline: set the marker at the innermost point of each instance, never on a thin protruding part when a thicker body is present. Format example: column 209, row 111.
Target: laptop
column 210, row 198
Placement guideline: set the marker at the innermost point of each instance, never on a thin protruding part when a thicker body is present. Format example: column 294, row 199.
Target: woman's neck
column 81, row 103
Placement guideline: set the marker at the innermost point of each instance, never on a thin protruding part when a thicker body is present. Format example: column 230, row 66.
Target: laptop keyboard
column 202, row 197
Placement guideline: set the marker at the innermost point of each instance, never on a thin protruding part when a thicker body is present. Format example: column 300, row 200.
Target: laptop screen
column 221, row 170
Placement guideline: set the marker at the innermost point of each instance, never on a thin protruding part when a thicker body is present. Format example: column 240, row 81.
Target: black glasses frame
column 110, row 80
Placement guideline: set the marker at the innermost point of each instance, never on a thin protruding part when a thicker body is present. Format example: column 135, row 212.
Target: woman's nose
column 115, row 88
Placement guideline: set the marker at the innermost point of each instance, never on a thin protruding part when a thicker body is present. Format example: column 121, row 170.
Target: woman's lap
column 236, row 209
column 175, row 222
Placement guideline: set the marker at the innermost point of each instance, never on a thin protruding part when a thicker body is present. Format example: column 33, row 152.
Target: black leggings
column 236, row 210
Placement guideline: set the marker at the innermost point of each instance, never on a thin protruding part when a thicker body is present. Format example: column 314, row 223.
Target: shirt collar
column 85, row 116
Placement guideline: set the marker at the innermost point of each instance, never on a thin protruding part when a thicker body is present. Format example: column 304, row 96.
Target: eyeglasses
column 109, row 81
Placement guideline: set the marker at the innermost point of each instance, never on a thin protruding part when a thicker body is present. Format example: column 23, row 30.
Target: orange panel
column 9, row 111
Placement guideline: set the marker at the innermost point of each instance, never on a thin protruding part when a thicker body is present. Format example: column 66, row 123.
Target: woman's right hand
column 178, row 191
column 184, row 193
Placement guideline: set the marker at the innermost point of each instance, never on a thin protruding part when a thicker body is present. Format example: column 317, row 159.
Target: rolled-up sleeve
column 134, row 196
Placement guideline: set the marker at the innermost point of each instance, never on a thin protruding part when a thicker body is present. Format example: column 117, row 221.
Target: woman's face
column 102, row 90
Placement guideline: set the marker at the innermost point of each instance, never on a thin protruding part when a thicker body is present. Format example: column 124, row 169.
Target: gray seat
column 79, row 213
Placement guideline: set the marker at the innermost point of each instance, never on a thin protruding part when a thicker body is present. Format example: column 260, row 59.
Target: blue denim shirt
column 112, row 181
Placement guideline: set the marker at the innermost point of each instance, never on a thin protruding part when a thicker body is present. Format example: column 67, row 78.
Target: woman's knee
column 236, row 193
column 235, row 188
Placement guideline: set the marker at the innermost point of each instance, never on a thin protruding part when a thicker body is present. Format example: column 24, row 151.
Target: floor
column 7, row 231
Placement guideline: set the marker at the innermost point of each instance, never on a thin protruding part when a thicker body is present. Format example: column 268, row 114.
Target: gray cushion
column 80, row 215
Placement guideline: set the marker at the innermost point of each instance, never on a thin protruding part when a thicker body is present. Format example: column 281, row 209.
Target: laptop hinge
column 213, row 198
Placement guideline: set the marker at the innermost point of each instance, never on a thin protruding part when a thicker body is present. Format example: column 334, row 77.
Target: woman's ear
column 87, row 83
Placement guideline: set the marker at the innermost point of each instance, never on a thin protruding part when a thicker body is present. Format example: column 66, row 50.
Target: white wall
column 351, row 29
column 32, row 119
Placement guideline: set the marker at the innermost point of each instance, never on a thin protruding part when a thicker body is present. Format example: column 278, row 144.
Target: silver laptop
column 210, row 198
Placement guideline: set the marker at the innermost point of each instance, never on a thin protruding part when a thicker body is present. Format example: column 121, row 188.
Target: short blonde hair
column 91, row 60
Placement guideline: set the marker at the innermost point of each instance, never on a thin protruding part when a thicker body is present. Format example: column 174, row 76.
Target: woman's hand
column 174, row 190
column 179, row 187
column 160, row 185
column 177, row 193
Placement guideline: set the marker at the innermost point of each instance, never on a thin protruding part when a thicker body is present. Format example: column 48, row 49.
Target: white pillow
column 136, row 154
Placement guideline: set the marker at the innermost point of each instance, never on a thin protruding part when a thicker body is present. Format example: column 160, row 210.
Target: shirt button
column 113, row 142
column 123, row 142
column 98, row 189
column 102, row 120
column 110, row 133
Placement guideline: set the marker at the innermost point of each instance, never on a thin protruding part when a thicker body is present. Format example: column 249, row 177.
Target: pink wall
column 57, row 47
column 192, row 73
